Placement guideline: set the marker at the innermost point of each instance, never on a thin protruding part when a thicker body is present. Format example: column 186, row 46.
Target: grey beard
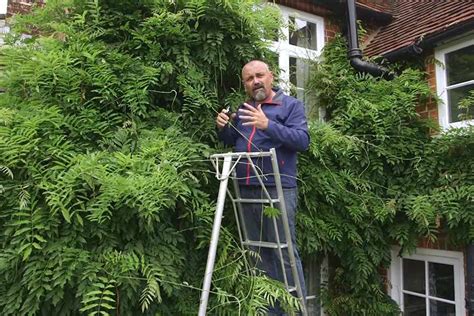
column 260, row 96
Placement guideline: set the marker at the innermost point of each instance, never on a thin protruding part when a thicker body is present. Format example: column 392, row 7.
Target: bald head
column 255, row 63
column 258, row 80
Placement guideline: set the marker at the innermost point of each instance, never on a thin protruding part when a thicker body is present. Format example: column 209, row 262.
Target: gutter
column 355, row 53
column 423, row 43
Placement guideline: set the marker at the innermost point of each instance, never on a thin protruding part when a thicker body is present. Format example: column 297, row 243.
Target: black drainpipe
column 355, row 53
column 470, row 279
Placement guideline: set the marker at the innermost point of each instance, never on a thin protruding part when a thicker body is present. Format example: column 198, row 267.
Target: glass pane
column 460, row 65
column 441, row 280
column 293, row 71
column 414, row 276
column 442, row 309
column 272, row 59
column 454, row 96
column 302, row 33
column 299, row 72
column 414, row 305
column 300, row 94
column 313, row 279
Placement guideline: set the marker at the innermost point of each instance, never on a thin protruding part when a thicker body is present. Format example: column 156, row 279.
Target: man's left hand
column 253, row 116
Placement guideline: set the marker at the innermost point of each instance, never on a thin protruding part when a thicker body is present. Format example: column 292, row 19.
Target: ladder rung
column 267, row 201
column 292, row 289
column 264, row 244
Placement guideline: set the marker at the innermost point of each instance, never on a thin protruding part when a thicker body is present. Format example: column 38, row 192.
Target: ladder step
column 264, row 244
column 267, row 201
column 292, row 289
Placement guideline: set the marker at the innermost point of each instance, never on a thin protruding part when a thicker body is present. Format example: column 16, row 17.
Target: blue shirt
column 287, row 132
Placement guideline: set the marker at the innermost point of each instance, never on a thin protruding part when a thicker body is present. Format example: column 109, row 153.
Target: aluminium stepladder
column 230, row 161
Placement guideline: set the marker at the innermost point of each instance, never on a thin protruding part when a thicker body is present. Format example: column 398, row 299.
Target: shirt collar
column 276, row 100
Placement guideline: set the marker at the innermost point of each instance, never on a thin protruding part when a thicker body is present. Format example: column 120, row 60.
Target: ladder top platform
column 242, row 154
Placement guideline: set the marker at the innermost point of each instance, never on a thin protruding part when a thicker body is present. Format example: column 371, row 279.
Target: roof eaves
column 363, row 11
column 429, row 40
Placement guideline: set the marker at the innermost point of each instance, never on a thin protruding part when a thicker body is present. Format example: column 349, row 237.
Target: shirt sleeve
column 228, row 134
column 293, row 134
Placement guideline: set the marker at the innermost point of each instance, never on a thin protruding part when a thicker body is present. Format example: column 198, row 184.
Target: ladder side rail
column 240, row 217
column 215, row 236
column 286, row 228
column 280, row 253
column 235, row 207
column 275, row 227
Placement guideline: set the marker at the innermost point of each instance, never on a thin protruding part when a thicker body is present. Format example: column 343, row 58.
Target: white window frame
column 286, row 50
column 3, row 6
column 454, row 258
column 441, row 82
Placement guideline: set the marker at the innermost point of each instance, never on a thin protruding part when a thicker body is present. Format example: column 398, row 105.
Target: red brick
column 433, row 115
column 432, row 106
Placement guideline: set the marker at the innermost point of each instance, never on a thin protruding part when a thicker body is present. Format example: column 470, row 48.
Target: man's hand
column 254, row 116
column 223, row 118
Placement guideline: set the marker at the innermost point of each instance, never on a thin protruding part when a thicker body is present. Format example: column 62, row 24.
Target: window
column 455, row 82
column 429, row 282
column 304, row 40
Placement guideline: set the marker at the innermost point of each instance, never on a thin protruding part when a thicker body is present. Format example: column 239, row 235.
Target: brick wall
column 331, row 28
column 21, row 6
column 430, row 109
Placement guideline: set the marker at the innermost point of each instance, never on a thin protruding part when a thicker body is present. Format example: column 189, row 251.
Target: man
column 269, row 119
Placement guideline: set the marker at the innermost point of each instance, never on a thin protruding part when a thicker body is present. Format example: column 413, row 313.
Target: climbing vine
column 106, row 190
column 106, row 127
column 376, row 176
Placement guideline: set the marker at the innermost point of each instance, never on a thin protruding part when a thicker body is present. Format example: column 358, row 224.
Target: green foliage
column 271, row 211
column 466, row 105
column 381, row 180
column 105, row 133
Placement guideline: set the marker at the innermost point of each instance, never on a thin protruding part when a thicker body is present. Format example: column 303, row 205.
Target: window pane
column 299, row 72
column 454, row 96
column 314, row 281
column 442, row 309
column 299, row 75
column 414, row 305
column 441, row 280
column 293, row 71
column 414, row 276
column 272, row 59
column 460, row 65
column 302, row 33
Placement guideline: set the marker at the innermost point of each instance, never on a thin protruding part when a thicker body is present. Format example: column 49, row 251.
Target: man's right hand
column 222, row 119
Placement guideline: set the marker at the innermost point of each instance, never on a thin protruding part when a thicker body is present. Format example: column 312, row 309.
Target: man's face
column 257, row 79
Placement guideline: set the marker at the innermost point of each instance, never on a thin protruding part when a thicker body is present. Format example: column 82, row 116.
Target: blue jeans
column 260, row 227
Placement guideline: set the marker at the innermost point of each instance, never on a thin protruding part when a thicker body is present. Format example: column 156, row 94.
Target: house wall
column 430, row 109
column 331, row 29
column 21, row 6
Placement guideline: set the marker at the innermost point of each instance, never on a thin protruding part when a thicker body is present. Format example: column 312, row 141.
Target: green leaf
column 271, row 211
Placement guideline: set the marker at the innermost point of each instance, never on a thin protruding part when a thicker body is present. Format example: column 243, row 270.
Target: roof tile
column 415, row 19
